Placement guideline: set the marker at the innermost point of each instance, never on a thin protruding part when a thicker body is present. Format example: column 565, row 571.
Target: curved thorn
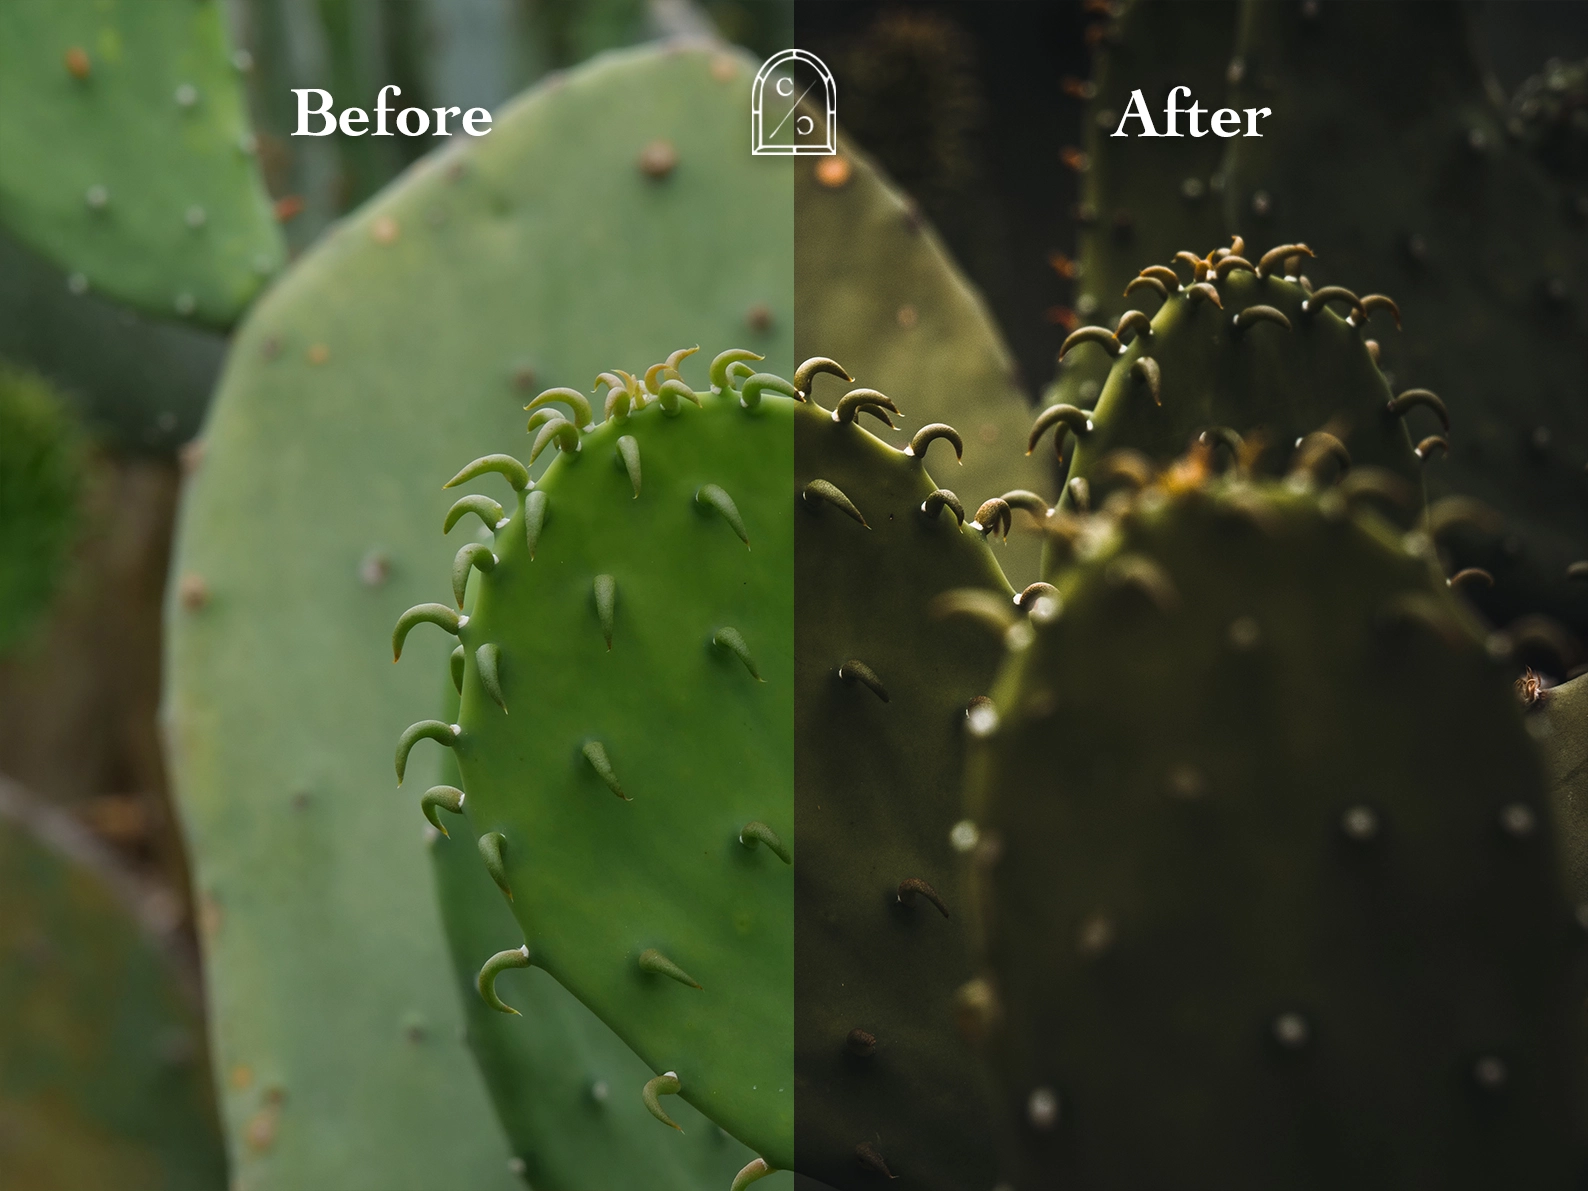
column 994, row 516
column 659, row 370
column 543, row 417
column 974, row 603
column 619, row 404
column 629, row 455
column 1187, row 258
column 1031, row 502
column 487, row 664
column 534, row 520
column 1205, row 291
column 820, row 491
column 1033, row 592
column 1223, row 436
column 869, row 1159
column 677, row 357
column 653, row 961
column 1578, row 570
column 1070, row 417
column 1470, row 577
column 1428, row 445
column 930, row 433
column 755, row 832
column 611, row 380
column 1319, row 298
column 1142, row 574
column 442, row 798
column 1122, row 463
column 491, row 845
column 764, row 382
column 756, row 1168
column 1276, row 257
column 1412, row 398
column 1228, row 264
column 858, row 401
column 710, row 496
column 807, row 372
column 1163, row 274
column 606, row 600
column 474, row 555
column 506, row 466
column 437, row 730
column 719, row 366
column 738, row 373
column 1372, row 303
column 1258, row 314
column 732, row 640
column 573, row 399
column 910, row 886
column 940, row 499
column 483, row 507
column 854, row 670
column 1151, row 283
column 1134, row 320
column 596, row 753
column 1099, row 335
column 1376, row 483
column 517, row 957
column 662, row 1085
column 1146, row 370
column 674, row 391
column 436, row 614
column 562, row 432
column 1080, row 494
column 456, row 663
column 1317, row 446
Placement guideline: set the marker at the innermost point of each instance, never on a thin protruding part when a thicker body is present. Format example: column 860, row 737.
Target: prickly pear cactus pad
column 562, row 1081
column 1242, row 356
column 406, row 343
column 1558, row 719
column 1265, row 868
column 126, row 156
column 877, row 290
column 102, row 1080
column 1473, row 239
column 885, row 1085
column 625, row 736
column 1142, row 199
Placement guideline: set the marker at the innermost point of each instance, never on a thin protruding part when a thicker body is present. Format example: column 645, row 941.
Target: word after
column 1225, row 122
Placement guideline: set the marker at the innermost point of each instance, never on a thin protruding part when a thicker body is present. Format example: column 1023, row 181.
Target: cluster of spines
column 627, row 394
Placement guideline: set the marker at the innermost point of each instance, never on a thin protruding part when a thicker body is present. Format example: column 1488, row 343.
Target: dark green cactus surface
column 626, row 730
column 1558, row 718
column 1244, row 356
column 102, row 1079
column 563, row 1083
column 885, row 1086
column 1265, row 869
column 126, row 156
column 1426, row 198
column 405, row 343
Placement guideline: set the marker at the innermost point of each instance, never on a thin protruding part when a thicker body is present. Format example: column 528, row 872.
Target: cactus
column 1475, row 242
column 1143, row 199
column 876, row 289
column 102, row 1079
column 1242, row 356
column 408, row 340
column 637, row 611
column 561, row 1080
column 1549, row 114
column 884, row 1086
column 1261, row 832
column 40, row 478
column 1558, row 719
column 125, row 154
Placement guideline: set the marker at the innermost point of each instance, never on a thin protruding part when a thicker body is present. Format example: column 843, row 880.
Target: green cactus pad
column 407, row 343
column 125, row 154
column 1432, row 201
column 884, row 1082
column 1558, row 719
column 40, row 480
column 876, row 289
column 1265, row 868
column 616, row 679
column 562, row 1081
column 102, row 1078
column 1258, row 356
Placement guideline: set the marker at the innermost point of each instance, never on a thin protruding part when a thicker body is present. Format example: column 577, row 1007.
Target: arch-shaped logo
column 781, row 119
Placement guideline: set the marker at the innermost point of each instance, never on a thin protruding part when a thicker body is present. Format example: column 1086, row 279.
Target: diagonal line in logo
column 784, row 120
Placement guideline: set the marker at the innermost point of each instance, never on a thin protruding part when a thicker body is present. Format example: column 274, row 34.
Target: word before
column 476, row 121
column 1225, row 122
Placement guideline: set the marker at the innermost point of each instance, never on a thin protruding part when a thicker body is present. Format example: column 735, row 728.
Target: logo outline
column 759, row 145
